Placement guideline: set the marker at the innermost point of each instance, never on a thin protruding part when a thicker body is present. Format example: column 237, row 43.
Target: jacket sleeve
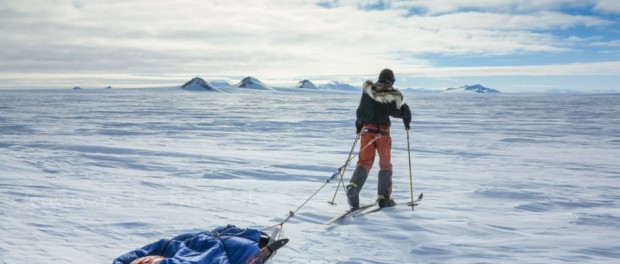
column 364, row 110
column 404, row 111
column 358, row 113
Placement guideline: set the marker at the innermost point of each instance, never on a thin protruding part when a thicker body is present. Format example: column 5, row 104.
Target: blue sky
column 509, row 45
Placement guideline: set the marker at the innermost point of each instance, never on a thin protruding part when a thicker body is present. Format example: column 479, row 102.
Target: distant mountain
column 306, row 84
column 197, row 84
column 335, row 85
column 472, row 88
column 252, row 83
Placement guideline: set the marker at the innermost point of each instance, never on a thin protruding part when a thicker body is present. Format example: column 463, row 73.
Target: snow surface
column 88, row 175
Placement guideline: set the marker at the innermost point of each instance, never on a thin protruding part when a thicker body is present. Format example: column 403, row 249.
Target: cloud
column 541, row 20
column 608, row 6
column 614, row 43
column 437, row 7
column 608, row 68
column 273, row 38
column 451, row 6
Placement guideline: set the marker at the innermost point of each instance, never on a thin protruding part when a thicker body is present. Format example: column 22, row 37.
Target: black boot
column 385, row 202
column 353, row 196
column 355, row 186
column 384, row 189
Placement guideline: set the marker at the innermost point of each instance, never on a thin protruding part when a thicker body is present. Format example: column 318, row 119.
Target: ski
column 345, row 214
column 369, row 208
column 376, row 208
column 415, row 202
column 267, row 252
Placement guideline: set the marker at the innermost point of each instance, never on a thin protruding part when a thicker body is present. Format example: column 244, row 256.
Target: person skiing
column 223, row 245
column 379, row 101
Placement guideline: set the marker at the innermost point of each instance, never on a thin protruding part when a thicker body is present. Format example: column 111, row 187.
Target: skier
column 224, row 245
column 379, row 101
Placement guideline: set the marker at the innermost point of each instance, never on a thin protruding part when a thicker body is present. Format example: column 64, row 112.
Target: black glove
column 406, row 116
column 358, row 126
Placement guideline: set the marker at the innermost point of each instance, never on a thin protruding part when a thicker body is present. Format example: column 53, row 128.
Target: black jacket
column 379, row 102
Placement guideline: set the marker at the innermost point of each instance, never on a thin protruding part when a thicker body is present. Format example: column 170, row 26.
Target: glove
column 358, row 126
column 406, row 116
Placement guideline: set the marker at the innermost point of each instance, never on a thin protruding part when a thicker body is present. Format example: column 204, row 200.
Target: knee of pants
column 365, row 164
column 385, row 165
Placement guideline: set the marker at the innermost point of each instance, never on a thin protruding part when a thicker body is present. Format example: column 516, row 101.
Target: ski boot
column 353, row 196
column 385, row 202
column 355, row 185
column 384, row 189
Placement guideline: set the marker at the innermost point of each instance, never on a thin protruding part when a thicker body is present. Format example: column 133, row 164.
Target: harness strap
column 375, row 131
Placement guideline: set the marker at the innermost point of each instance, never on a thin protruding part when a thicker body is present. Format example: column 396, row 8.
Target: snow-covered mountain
column 252, row 83
column 472, row 88
column 336, row 85
column 306, row 84
column 197, row 84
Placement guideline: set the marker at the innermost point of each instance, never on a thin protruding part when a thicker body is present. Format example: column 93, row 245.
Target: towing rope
column 291, row 214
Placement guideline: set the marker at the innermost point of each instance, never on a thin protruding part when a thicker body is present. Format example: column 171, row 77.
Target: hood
column 383, row 93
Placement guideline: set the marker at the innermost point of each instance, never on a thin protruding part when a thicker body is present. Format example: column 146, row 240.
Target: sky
column 509, row 45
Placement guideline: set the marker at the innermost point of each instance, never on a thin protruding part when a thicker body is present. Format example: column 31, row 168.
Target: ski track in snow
column 92, row 174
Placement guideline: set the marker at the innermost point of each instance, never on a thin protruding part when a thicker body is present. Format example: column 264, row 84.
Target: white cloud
column 271, row 38
column 436, row 7
column 614, row 43
column 609, row 68
column 608, row 6
column 543, row 20
column 450, row 6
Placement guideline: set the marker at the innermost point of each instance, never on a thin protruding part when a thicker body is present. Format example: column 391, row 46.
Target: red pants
column 382, row 146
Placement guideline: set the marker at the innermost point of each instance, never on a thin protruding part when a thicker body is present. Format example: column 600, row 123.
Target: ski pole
column 357, row 137
column 291, row 214
column 410, row 177
column 351, row 158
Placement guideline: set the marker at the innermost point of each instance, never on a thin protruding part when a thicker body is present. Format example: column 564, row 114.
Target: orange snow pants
column 381, row 146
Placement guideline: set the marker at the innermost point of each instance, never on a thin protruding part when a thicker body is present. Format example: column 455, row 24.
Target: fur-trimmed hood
column 383, row 93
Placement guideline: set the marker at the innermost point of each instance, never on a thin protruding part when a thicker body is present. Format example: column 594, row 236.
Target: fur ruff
column 383, row 94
